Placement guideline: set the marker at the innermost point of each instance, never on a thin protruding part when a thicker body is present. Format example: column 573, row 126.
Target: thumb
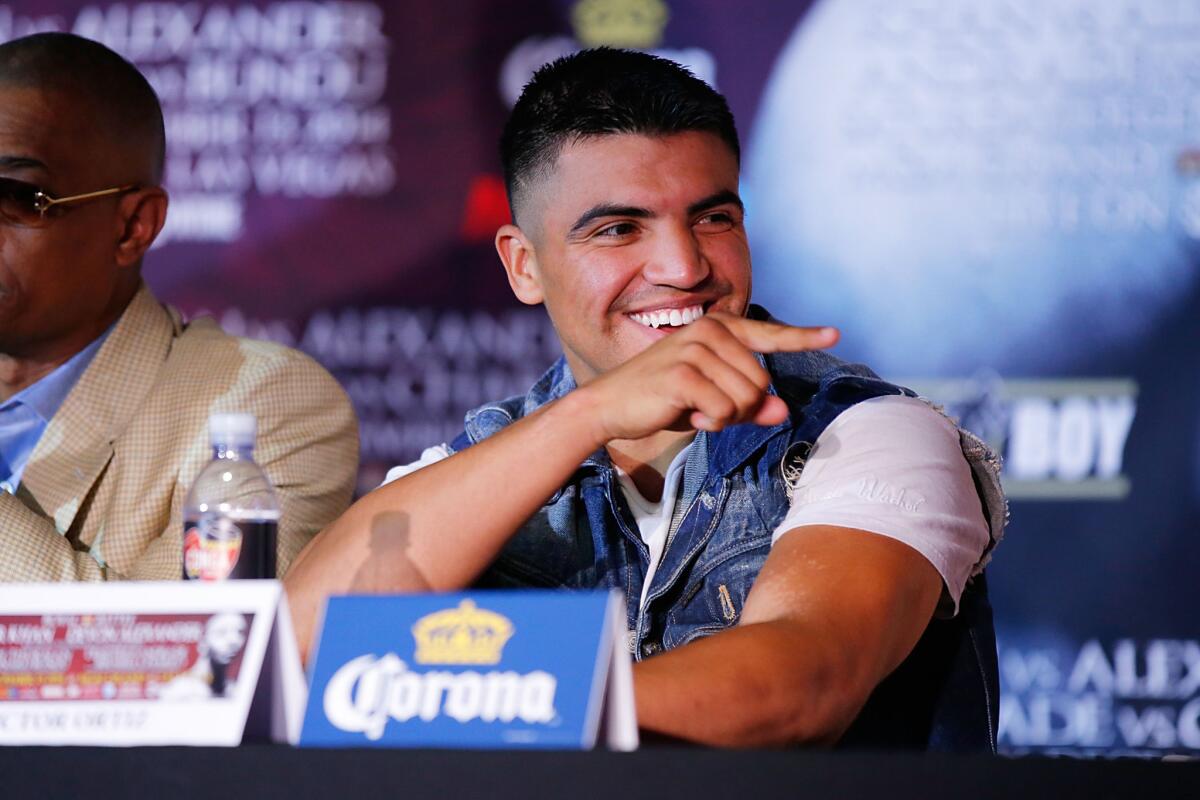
column 772, row 411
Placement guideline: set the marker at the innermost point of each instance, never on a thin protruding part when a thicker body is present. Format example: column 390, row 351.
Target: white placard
column 148, row 663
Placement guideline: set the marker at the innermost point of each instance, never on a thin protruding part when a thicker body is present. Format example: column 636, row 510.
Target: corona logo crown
column 619, row 23
column 462, row 635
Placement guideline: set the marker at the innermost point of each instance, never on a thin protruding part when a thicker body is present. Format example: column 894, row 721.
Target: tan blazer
column 102, row 495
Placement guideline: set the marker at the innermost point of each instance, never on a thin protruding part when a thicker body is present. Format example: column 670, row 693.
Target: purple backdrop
column 998, row 202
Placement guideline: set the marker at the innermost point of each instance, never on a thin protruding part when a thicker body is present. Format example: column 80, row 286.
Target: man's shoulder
column 151, row 331
column 204, row 369
column 803, row 378
column 491, row 417
column 201, row 344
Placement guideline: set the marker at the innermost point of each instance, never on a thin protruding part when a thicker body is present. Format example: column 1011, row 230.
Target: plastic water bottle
column 231, row 519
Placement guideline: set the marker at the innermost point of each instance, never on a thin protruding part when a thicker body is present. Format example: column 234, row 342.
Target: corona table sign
column 488, row 669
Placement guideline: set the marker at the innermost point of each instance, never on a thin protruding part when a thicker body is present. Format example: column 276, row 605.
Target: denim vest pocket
column 716, row 592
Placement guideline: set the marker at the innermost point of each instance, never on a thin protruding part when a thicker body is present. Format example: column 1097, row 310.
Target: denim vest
column 943, row 696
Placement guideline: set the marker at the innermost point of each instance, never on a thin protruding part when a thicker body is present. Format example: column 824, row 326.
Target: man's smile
column 664, row 317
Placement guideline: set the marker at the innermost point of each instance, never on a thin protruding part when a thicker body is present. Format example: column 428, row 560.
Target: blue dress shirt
column 25, row 415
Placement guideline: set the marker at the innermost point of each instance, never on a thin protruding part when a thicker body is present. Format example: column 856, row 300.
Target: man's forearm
column 832, row 613
column 763, row 685
column 438, row 528
column 32, row 549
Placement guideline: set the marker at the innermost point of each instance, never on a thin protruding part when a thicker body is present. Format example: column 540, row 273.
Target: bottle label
column 211, row 546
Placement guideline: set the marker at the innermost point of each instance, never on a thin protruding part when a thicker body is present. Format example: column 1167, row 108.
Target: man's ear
column 142, row 214
column 520, row 262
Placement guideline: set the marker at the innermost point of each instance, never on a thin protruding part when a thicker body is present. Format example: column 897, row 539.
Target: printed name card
column 148, row 663
column 484, row 669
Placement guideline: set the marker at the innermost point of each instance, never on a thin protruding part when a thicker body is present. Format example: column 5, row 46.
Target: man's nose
column 677, row 260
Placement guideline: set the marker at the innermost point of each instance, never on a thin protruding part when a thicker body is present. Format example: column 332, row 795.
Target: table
column 270, row 771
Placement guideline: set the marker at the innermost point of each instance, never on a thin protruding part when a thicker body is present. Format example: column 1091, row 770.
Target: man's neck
column 646, row 460
column 24, row 366
column 19, row 372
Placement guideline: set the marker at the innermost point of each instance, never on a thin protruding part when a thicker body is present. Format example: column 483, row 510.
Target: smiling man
column 800, row 543
column 104, row 392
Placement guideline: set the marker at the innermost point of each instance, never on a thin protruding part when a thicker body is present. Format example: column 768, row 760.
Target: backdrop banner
column 998, row 202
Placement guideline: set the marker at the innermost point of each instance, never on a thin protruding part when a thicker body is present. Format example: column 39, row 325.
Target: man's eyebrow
column 716, row 199
column 608, row 210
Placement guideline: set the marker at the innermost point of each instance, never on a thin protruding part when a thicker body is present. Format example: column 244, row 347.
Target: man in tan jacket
column 104, row 392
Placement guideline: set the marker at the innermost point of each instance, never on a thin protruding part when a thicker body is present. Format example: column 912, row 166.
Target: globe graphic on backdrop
column 962, row 185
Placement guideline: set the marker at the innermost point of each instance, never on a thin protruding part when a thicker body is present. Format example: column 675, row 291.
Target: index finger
column 776, row 337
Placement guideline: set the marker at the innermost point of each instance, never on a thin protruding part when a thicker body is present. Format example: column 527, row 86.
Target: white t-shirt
column 889, row 465
column 654, row 519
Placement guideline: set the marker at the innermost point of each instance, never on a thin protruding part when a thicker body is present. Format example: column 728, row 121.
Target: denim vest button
column 651, row 648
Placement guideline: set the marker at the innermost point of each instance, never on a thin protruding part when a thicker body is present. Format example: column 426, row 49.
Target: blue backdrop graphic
column 997, row 202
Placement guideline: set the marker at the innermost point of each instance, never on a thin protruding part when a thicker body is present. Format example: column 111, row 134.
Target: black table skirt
column 267, row 771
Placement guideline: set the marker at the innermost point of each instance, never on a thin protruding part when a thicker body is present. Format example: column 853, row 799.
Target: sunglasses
column 26, row 205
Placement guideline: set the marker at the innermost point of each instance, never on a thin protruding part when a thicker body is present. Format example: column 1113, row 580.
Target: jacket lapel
column 77, row 445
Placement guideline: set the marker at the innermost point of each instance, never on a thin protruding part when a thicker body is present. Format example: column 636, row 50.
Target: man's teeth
column 674, row 317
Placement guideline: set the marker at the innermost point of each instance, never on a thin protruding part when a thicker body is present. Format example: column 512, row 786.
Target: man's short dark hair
column 127, row 109
column 600, row 92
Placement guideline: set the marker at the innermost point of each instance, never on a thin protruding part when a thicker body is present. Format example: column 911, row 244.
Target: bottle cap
column 232, row 430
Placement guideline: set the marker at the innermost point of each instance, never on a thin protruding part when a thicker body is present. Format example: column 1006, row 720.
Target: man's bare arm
column 439, row 527
column 832, row 613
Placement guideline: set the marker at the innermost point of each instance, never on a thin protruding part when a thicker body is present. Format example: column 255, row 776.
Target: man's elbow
column 783, row 708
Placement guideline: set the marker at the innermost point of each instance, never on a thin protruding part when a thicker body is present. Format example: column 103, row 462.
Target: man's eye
column 616, row 229
column 716, row 220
